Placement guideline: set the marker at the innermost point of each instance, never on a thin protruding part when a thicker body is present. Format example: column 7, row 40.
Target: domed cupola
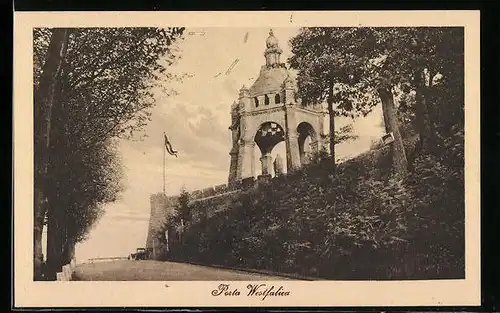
column 273, row 51
column 273, row 73
column 271, row 41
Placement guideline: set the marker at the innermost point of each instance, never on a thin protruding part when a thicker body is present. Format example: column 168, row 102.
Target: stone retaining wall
column 67, row 271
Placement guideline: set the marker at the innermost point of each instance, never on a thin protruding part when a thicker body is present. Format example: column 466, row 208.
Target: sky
column 196, row 119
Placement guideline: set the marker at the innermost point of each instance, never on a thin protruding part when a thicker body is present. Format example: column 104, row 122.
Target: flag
column 168, row 146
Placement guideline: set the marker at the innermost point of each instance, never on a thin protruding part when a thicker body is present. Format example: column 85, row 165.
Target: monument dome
column 273, row 74
column 271, row 41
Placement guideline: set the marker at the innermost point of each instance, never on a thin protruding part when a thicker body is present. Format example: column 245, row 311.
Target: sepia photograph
column 249, row 157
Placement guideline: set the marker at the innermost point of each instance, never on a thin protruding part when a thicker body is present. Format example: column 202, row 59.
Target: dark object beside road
column 139, row 255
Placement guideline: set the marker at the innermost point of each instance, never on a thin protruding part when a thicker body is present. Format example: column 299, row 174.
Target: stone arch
column 252, row 122
column 268, row 135
column 308, row 138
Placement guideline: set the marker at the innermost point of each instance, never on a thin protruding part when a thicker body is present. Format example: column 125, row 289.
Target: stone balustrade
column 67, row 271
column 209, row 192
column 223, row 189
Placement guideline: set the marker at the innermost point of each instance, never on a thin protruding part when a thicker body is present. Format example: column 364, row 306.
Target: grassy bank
column 355, row 222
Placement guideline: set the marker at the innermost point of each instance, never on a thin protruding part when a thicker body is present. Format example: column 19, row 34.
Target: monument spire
column 273, row 51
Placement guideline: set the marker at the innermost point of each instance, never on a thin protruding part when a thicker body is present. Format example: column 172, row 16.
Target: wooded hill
column 356, row 223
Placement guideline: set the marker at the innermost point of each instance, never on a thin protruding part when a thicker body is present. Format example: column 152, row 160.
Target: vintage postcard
column 206, row 159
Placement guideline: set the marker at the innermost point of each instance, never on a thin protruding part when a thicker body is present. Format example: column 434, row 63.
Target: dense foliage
column 355, row 67
column 357, row 224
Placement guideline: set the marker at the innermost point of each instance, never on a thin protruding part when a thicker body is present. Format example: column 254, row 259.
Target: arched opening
column 308, row 142
column 266, row 100
column 277, row 98
column 268, row 136
column 256, row 100
column 278, row 155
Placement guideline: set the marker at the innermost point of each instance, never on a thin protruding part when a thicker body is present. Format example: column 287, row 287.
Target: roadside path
column 149, row 270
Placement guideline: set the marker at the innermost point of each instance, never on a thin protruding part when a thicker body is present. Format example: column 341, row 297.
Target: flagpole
column 164, row 148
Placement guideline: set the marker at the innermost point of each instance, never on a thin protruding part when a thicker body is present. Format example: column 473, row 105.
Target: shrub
column 354, row 223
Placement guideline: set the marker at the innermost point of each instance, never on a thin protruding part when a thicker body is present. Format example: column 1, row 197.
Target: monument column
column 233, row 166
column 246, row 160
column 291, row 140
column 266, row 161
column 323, row 141
column 308, row 156
column 292, row 150
column 278, row 166
column 245, row 144
column 235, row 133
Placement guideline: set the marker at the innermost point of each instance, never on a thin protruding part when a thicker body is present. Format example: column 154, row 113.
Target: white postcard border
column 198, row 294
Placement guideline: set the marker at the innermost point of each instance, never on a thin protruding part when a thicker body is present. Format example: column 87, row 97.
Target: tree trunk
column 44, row 102
column 331, row 113
column 386, row 118
column 38, row 225
column 399, row 161
column 431, row 113
column 57, row 231
column 68, row 252
column 62, row 147
column 66, row 242
column 58, row 243
column 54, row 244
column 422, row 115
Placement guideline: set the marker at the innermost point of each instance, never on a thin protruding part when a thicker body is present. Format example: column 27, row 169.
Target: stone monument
column 268, row 113
column 278, row 166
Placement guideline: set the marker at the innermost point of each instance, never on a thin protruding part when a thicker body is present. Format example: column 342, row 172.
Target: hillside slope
column 354, row 223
